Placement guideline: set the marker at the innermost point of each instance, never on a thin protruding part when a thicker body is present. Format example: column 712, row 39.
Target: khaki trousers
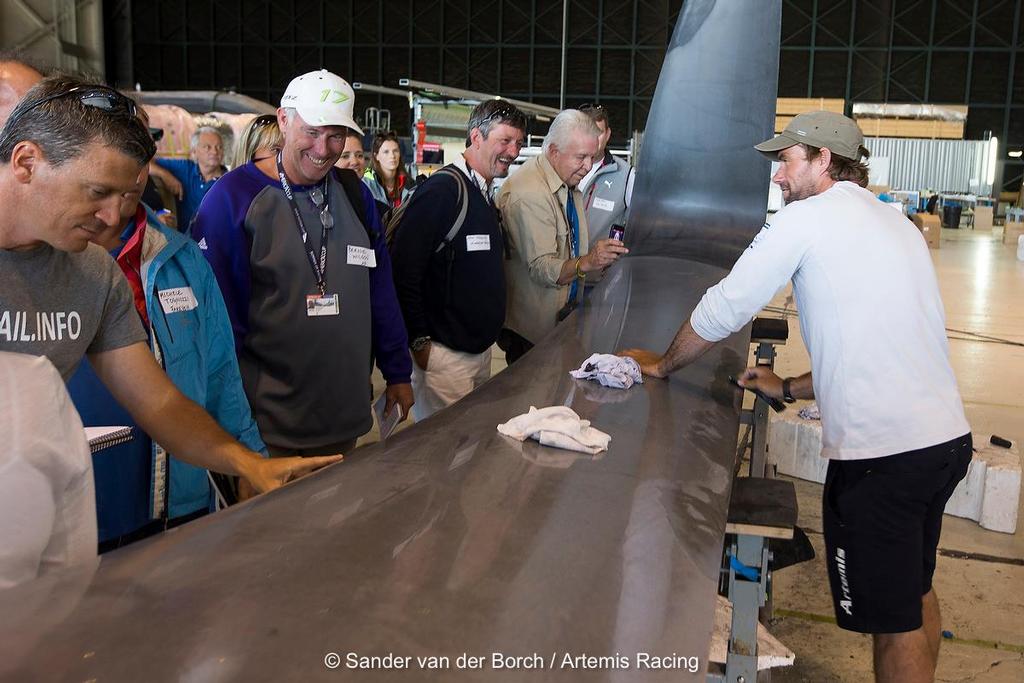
column 449, row 376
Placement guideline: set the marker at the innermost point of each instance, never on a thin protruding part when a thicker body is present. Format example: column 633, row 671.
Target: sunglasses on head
column 591, row 107
column 264, row 120
column 506, row 112
column 96, row 96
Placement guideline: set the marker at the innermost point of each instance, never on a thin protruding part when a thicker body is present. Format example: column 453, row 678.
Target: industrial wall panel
column 913, row 19
column 794, row 68
column 948, row 76
column 909, row 71
column 942, row 165
column 938, row 51
column 995, row 23
column 829, row 68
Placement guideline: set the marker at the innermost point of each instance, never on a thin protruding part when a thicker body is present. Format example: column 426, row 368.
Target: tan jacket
column 532, row 204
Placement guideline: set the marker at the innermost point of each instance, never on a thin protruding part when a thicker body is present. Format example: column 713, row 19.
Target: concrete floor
column 980, row 574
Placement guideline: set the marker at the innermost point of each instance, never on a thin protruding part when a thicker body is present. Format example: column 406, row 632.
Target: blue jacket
column 199, row 357
column 194, row 188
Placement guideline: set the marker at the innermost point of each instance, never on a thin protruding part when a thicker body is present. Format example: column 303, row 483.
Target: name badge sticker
column 478, row 242
column 322, row 305
column 361, row 256
column 177, row 300
column 604, row 204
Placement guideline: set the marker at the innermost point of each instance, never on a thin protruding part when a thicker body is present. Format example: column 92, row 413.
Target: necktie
column 574, row 230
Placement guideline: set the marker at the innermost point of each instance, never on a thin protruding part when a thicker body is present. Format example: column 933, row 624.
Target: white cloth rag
column 557, row 426
column 620, row 372
column 810, row 412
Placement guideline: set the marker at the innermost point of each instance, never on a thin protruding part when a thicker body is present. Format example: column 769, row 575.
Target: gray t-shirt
column 63, row 305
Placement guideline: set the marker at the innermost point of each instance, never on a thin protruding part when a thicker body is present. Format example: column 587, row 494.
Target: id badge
column 478, row 242
column 361, row 256
column 322, row 305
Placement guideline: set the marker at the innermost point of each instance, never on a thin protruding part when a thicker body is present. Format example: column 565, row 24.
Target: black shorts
column 882, row 519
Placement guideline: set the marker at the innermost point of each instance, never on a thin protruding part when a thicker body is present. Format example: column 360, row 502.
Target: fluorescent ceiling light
column 993, row 148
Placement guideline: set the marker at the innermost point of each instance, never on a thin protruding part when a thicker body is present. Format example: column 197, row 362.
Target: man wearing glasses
column 68, row 153
column 140, row 489
column 448, row 253
column 299, row 253
column 547, row 229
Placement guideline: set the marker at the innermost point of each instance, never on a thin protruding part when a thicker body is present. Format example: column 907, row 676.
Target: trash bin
column 951, row 216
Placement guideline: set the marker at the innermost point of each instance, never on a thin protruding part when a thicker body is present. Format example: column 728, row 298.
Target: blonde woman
column 259, row 140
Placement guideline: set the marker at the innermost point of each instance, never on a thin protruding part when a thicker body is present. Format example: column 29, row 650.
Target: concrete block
column 990, row 493
column 794, row 446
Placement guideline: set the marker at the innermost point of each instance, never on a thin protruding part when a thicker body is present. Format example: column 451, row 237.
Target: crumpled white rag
column 557, row 426
column 810, row 412
column 620, row 372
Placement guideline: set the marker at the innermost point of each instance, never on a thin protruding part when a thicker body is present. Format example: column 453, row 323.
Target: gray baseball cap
column 818, row 129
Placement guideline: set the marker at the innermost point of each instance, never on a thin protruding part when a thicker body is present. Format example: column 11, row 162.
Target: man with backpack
column 448, row 249
column 299, row 255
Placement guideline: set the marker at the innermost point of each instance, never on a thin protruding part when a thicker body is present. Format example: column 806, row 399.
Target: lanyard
column 574, row 239
column 486, row 194
column 319, row 266
column 574, row 225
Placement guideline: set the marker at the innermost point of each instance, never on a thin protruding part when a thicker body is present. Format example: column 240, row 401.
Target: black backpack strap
column 353, row 187
column 463, row 203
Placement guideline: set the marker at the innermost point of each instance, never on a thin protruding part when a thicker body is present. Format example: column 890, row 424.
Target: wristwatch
column 787, row 395
column 419, row 343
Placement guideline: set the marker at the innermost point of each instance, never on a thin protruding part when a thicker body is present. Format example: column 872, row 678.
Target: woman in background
column 352, row 156
column 259, row 140
column 386, row 176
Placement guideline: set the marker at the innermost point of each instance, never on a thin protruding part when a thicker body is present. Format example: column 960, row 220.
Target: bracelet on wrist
column 579, row 272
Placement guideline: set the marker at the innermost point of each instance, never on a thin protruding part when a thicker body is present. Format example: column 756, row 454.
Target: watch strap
column 787, row 394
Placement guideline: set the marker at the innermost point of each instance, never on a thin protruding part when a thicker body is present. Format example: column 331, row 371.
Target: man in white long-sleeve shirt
column 893, row 425
column 47, row 505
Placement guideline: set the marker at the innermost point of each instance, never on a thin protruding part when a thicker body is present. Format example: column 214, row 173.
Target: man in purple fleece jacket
column 307, row 285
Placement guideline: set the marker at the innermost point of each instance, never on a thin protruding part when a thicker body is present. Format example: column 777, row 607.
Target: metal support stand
column 764, row 357
column 748, row 556
column 749, row 578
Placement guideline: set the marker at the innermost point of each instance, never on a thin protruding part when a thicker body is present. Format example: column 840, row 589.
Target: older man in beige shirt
column 546, row 226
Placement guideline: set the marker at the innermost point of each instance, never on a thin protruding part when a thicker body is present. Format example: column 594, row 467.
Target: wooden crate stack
column 788, row 107
column 895, row 127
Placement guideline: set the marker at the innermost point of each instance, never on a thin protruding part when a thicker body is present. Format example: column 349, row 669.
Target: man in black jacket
column 452, row 286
